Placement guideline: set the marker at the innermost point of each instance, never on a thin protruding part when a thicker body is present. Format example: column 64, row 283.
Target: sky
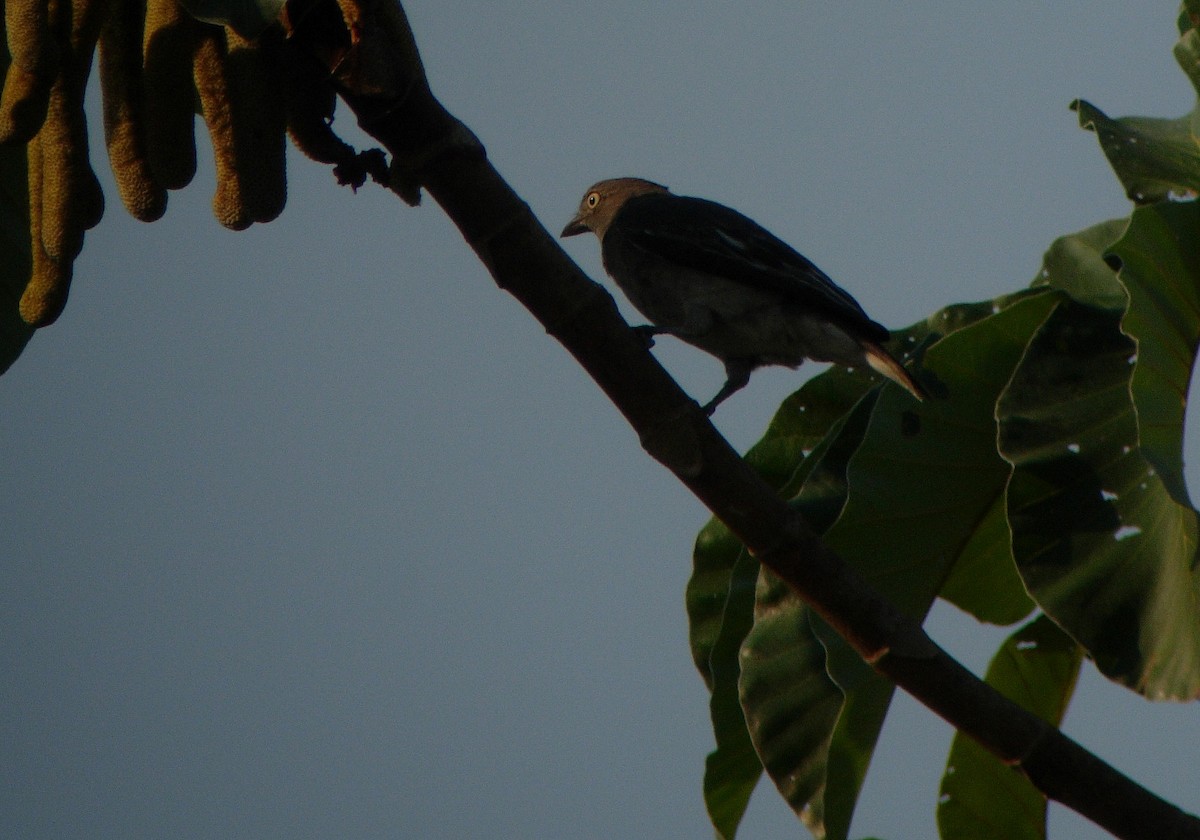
column 312, row 532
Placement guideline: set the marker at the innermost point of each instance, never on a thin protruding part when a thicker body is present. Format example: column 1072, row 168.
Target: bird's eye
column 592, row 199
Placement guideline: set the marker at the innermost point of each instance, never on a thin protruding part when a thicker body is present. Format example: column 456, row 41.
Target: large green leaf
column 1155, row 159
column 782, row 458
column 791, row 703
column 904, row 529
column 720, row 595
column 1102, row 530
column 719, row 610
column 981, row 795
column 1160, row 258
column 14, row 245
column 799, row 426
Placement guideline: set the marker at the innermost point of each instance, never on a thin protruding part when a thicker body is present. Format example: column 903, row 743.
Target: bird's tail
column 882, row 362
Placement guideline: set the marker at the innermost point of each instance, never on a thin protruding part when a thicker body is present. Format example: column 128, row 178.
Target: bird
column 710, row 276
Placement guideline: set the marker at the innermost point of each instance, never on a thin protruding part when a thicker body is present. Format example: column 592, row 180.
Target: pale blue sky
column 312, row 532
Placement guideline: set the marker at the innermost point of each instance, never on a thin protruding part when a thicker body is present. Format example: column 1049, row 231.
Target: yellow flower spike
column 168, row 42
column 31, row 72
column 49, row 281
column 124, row 115
column 259, row 120
column 212, row 83
column 71, row 198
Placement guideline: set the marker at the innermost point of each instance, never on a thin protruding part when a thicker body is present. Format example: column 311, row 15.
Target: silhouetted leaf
column 1102, row 529
column 720, row 594
column 982, row 796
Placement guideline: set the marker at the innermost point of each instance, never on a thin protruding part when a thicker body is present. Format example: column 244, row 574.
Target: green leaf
column 982, row 796
column 720, row 595
column 781, row 458
column 733, row 769
column 904, row 529
column 791, row 704
column 1102, row 530
column 247, row 17
column 926, row 479
column 1077, row 265
column 14, row 247
column 1155, row 159
column 1160, row 255
column 854, row 736
column 1187, row 49
column 982, row 581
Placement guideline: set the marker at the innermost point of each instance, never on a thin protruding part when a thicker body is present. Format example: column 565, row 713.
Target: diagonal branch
column 378, row 67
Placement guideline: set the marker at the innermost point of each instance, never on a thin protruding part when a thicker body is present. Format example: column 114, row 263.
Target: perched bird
column 708, row 275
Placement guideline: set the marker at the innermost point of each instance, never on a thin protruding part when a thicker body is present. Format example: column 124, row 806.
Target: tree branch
column 377, row 65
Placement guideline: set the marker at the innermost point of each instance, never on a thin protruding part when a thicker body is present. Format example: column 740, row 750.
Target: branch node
column 876, row 656
column 1034, row 746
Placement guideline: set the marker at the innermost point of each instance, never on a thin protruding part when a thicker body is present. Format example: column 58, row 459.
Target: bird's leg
column 737, row 374
column 646, row 333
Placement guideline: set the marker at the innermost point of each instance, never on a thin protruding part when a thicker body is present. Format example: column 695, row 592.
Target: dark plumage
column 707, row 274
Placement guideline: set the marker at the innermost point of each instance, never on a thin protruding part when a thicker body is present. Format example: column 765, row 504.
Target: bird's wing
column 702, row 235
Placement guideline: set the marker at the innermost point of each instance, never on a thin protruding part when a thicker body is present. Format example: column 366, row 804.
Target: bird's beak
column 574, row 228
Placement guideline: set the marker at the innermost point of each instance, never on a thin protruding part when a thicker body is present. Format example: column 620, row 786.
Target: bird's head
column 602, row 201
